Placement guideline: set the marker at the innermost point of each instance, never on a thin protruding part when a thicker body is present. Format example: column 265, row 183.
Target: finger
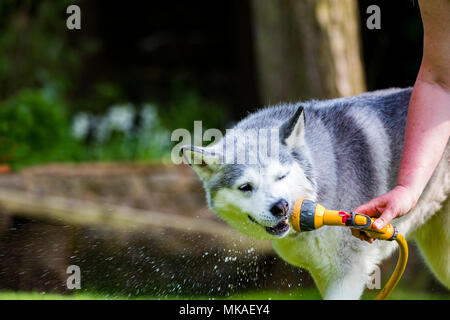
column 370, row 208
column 364, row 208
column 384, row 219
column 358, row 234
column 355, row 232
column 361, row 235
column 366, row 237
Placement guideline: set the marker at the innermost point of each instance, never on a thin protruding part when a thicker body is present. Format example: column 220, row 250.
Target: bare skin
column 428, row 121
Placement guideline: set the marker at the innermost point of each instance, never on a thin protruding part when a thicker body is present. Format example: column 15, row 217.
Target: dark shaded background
column 150, row 47
column 191, row 60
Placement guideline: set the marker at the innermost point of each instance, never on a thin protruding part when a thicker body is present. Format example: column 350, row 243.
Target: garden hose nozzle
column 308, row 215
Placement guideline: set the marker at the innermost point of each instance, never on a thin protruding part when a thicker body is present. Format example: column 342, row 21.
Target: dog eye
column 246, row 187
column 281, row 177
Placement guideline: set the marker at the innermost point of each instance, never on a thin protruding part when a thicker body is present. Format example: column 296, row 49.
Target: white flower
column 80, row 125
column 149, row 116
column 121, row 117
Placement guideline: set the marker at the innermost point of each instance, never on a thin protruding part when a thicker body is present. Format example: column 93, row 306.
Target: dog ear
column 204, row 161
column 292, row 132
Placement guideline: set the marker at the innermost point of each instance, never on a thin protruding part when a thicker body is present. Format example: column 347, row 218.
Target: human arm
column 428, row 121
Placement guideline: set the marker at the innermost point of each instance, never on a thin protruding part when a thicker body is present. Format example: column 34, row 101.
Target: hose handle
column 365, row 223
column 308, row 215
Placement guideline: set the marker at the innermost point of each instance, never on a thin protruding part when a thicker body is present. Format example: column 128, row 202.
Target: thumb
column 384, row 219
column 369, row 208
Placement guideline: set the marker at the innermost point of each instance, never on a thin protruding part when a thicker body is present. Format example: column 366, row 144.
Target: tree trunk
column 307, row 49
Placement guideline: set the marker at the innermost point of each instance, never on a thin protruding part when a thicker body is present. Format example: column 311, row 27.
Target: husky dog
column 340, row 153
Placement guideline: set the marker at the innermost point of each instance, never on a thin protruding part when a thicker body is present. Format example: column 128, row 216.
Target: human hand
column 393, row 204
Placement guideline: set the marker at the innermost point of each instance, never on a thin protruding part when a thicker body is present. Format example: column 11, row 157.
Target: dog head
column 252, row 177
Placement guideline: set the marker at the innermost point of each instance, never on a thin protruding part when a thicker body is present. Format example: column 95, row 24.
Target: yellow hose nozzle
column 308, row 215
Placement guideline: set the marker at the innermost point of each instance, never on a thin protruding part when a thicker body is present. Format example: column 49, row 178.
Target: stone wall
column 35, row 253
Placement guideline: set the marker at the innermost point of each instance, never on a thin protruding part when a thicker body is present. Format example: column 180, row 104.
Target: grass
column 303, row 294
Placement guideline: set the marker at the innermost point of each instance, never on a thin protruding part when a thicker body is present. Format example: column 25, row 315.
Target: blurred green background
column 116, row 89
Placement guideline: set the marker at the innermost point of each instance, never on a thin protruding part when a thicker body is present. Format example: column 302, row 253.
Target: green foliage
column 34, row 51
column 33, row 128
column 42, row 94
column 123, row 133
column 187, row 106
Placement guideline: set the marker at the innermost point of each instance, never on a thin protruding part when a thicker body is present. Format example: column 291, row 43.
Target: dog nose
column 280, row 208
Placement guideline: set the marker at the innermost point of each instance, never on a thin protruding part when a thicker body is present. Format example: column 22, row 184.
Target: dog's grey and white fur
column 340, row 153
